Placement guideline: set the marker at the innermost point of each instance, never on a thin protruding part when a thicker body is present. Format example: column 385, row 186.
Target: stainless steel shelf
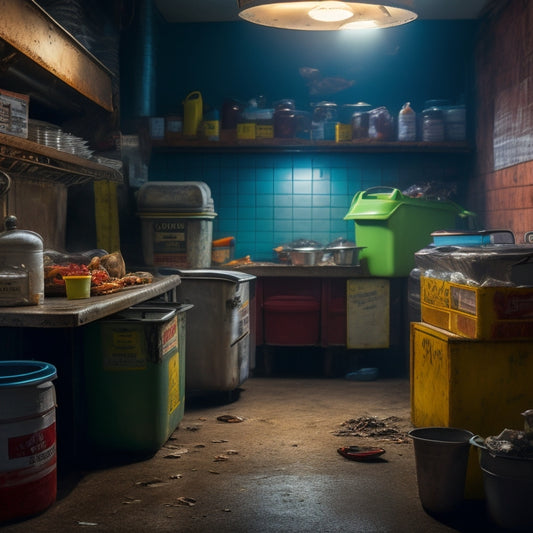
column 29, row 160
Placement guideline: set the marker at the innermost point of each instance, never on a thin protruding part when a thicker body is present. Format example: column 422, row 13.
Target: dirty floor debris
column 276, row 470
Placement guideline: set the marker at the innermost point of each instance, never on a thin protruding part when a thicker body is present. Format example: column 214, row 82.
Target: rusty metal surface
column 32, row 32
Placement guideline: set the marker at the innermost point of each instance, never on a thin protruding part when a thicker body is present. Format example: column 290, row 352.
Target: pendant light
column 326, row 14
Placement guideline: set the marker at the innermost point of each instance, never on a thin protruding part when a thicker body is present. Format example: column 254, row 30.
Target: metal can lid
column 16, row 239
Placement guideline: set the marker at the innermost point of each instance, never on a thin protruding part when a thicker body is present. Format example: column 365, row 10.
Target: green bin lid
column 380, row 203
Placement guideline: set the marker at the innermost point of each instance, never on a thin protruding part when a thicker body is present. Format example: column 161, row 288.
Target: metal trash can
column 220, row 328
column 176, row 223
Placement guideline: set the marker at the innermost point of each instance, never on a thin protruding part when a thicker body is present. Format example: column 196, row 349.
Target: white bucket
column 28, row 461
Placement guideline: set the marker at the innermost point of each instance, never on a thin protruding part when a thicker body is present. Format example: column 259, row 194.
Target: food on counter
column 240, row 261
column 102, row 279
column 113, row 263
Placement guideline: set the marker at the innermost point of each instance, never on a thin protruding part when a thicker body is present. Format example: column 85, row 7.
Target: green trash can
column 391, row 227
column 134, row 378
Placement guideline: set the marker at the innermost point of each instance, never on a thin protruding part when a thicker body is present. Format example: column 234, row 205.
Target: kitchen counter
column 50, row 332
column 273, row 270
column 59, row 312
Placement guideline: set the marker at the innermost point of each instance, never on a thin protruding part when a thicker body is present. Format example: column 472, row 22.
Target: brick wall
column 502, row 190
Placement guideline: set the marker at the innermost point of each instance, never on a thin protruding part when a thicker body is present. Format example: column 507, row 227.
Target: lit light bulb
column 331, row 12
column 360, row 25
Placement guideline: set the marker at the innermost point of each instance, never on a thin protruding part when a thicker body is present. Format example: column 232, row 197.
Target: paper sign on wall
column 368, row 305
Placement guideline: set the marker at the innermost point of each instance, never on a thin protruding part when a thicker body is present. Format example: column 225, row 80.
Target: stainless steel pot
column 346, row 256
column 305, row 256
column 344, row 252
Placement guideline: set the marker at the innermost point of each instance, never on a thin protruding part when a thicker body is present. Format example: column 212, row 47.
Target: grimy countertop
column 325, row 270
column 59, row 312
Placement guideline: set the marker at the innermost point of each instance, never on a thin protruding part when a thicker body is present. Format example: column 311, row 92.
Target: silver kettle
column 21, row 266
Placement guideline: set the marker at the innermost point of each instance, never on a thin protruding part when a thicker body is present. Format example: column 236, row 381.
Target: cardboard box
column 477, row 312
column 14, row 113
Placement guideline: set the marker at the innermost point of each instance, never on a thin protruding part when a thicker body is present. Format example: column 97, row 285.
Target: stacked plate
column 51, row 135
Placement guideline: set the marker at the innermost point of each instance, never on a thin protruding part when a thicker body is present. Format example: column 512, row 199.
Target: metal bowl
column 305, row 256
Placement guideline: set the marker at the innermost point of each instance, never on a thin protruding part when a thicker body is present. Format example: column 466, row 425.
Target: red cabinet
column 291, row 311
column 301, row 311
column 333, row 331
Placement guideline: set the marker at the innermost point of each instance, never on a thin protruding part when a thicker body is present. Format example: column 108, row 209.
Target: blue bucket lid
column 22, row 373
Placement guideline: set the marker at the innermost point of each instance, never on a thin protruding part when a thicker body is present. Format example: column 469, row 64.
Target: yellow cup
column 77, row 287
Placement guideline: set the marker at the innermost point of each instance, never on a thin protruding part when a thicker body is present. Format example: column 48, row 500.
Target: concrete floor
column 277, row 470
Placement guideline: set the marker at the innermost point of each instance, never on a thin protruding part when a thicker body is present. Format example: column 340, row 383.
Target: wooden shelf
column 303, row 146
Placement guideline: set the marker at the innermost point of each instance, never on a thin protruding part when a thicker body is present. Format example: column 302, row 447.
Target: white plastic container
column 28, row 462
column 407, row 123
column 176, row 223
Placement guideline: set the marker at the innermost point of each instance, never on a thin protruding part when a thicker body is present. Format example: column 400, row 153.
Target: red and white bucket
column 28, row 460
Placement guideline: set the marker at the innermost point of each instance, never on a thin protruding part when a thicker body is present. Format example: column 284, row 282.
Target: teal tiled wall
column 265, row 200
column 268, row 200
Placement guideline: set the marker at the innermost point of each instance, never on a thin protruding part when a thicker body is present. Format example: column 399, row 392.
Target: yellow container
column 343, row 132
column 264, row 131
column 193, row 113
column 77, row 287
column 477, row 312
column 246, row 130
column 481, row 386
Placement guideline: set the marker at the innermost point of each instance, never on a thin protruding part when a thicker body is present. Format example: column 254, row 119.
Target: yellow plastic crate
column 477, row 312
column 481, row 386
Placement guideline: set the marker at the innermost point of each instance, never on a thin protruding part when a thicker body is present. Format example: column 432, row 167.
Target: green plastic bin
column 134, row 378
column 391, row 227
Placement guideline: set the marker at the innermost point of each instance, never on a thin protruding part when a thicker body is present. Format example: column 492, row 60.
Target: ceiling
column 226, row 10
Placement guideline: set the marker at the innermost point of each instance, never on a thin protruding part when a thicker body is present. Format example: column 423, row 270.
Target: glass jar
column 360, row 121
column 455, row 123
column 285, row 123
column 433, row 125
column 380, row 124
column 231, row 114
column 325, row 117
column 325, row 111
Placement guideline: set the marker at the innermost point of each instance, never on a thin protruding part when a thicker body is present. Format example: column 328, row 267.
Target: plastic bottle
column 407, row 123
column 193, row 112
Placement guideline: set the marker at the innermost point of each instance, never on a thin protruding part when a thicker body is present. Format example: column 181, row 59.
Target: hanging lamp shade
column 326, row 14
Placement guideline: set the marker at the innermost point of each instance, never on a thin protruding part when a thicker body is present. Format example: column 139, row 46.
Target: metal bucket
column 508, row 485
column 441, row 455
